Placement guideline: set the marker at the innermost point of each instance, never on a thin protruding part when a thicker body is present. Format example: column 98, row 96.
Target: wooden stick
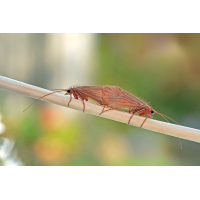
column 150, row 124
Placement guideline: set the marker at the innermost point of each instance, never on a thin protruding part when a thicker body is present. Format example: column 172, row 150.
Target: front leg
column 70, row 99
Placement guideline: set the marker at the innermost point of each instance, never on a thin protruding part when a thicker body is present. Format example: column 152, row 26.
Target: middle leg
column 138, row 111
column 143, row 122
column 83, row 105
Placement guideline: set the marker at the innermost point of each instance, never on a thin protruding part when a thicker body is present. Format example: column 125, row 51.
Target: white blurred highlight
column 2, row 126
column 8, row 157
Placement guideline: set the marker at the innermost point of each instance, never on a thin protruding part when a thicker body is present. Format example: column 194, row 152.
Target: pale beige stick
column 150, row 124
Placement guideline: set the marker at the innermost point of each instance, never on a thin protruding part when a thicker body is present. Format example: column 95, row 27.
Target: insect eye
column 68, row 91
column 152, row 111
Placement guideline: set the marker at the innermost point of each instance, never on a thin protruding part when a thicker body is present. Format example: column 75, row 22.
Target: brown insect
column 112, row 97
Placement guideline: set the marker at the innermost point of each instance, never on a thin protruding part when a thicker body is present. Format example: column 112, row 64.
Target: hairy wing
column 93, row 92
column 117, row 98
column 131, row 99
column 110, row 94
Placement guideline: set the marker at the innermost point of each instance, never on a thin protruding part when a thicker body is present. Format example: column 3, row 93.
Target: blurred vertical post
column 72, row 59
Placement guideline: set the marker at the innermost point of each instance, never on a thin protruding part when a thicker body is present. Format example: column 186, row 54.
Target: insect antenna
column 165, row 117
column 57, row 90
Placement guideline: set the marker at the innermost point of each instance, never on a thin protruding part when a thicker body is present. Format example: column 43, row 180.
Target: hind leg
column 103, row 111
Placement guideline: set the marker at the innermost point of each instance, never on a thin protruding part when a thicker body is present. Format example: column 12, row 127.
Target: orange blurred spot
column 52, row 119
column 113, row 150
column 51, row 151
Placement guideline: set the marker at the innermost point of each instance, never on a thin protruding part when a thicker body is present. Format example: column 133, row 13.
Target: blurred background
column 163, row 69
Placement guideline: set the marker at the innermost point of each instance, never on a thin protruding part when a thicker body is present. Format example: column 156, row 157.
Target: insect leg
column 134, row 114
column 83, row 105
column 70, row 99
column 144, row 121
column 130, row 118
column 102, row 110
column 106, row 110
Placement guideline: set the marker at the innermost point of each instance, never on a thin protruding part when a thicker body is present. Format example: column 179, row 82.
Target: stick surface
column 62, row 100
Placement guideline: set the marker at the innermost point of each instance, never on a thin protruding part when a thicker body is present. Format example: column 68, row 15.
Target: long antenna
column 167, row 117
column 168, row 121
column 57, row 90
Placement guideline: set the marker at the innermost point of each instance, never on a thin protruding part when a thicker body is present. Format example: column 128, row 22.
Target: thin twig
column 150, row 124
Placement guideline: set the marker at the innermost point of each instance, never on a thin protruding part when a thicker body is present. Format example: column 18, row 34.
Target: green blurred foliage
column 162, row 69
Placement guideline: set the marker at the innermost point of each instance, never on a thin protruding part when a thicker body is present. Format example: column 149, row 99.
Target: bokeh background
column 163, row 69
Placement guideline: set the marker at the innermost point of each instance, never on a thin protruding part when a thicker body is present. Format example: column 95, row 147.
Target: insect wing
column 117, row 98
column 131, row 100
column 93, row 92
